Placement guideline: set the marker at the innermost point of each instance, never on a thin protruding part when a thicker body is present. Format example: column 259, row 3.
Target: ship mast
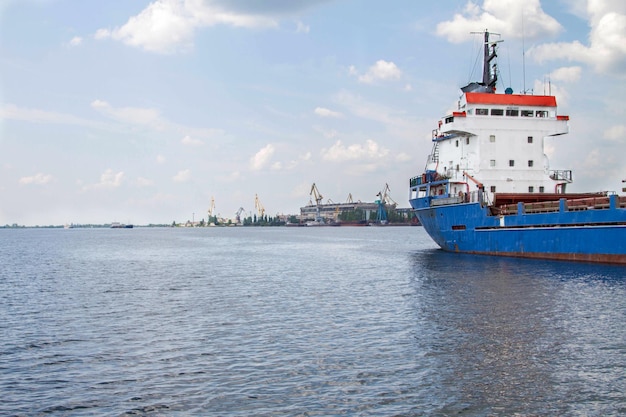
column 490, row 75
column 490, row 70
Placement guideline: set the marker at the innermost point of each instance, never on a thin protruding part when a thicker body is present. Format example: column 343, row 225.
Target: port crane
column 238, row 215
column 259, row 207
column 211, row 210
column 318, row 200
column 384, row 199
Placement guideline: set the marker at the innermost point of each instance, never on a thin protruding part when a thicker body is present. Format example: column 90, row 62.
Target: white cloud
column 324, row 112
column 302, row 28
column 510, row 18
column 340, row 153
column 403, row 157
column 554, row 89
column 160, row 159
column 566, row 74
column 166, row 26
column 381, row 70
column 182, row 176
column 358, row 106
column 102, row 34
column 37, row 179
column 143, row 182
column 133, row 115
column 262, row 157
column 616, row 133
column 13, row 112
column 108, row 179
column 189, row 141
column 329, row 134
column 76, row 41
column 148, row 118
column 232, row 177
column 606, row 51
column 593, row 160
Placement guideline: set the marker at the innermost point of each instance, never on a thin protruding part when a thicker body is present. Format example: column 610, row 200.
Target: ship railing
column 438, row 135
column 449, row 199
column 446, row 201
column 428, row 177
column 594, row 203
column 581, row 204
column 561, row 175
column 415, row 181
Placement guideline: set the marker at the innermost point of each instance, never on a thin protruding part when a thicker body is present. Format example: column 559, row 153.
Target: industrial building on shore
column 382, row 211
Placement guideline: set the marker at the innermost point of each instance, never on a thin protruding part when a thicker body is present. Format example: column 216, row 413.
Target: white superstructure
column 498, row 139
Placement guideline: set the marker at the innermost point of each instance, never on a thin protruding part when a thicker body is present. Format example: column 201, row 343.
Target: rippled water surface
column 300, row 321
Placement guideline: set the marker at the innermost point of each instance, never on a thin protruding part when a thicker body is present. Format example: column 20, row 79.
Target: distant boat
column 116, row 225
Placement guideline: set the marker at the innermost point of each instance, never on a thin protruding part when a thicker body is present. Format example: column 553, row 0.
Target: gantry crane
column 384, row 199
column 318, row 200
column 211, row 210
column 259, row 207
column 238, row 215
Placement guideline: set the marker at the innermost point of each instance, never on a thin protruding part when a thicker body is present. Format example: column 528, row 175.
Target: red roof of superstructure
column 511, row 99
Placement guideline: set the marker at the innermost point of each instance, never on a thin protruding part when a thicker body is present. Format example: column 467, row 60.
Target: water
column 300, row 322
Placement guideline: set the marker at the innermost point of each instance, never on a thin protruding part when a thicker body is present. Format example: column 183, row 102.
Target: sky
column 144, row 112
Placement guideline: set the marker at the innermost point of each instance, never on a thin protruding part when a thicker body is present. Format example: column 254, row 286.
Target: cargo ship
column 487, row 187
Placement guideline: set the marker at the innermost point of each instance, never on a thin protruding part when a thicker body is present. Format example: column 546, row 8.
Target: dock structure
column 334, row 212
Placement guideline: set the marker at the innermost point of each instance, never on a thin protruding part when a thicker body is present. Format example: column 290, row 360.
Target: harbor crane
column 316, row 194
column 211, row 210
column 238, row 215
column 384, row 199
column 259, row 207
column 318, row 200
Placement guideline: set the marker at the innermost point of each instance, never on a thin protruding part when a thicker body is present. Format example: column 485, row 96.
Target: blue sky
column 142, row 112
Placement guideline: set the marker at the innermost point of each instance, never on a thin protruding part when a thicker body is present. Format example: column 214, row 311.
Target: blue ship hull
column 590, row 234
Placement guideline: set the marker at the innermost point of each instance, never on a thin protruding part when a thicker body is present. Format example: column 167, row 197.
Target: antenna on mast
column 549, row 85
column 490, row 72
column 523, row 54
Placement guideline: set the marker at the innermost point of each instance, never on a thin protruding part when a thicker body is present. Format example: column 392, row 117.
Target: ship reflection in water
column 511, row 335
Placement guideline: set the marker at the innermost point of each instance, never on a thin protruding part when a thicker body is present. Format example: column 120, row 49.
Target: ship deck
column 508, row 204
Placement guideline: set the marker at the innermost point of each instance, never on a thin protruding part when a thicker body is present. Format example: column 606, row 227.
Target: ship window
column 497, row 112
column 482, row 112
column 457, row 143
column 457, row 167
column 542, row 189
column 449, row 119
column 527, row 113
column 530, row 139
column 541, row 113
column 511, row 112
column 467, row 141
column 531, row 189
column 511, row 163
column 492, row 138
column 493, row 188
column 492, row 163
column 530, row 163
